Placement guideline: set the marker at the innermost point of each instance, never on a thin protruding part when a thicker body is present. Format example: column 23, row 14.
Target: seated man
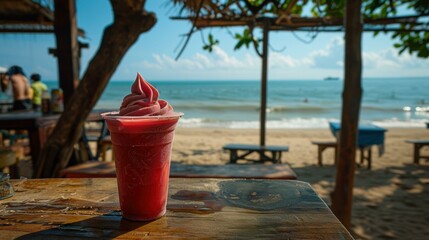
column 22, row 92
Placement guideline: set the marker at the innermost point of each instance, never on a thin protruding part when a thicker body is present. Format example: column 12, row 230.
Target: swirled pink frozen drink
column 142, row 134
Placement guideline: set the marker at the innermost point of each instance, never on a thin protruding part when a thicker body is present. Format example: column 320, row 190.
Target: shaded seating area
column 96, row 169
column 39, row 127
column 242, row 151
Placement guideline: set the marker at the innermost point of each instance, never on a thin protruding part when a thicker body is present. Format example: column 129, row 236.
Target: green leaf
column 238, row 45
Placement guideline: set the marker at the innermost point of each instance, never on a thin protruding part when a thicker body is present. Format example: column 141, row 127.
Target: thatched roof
column 31, row 16
column 25, row 16
column 285, row 16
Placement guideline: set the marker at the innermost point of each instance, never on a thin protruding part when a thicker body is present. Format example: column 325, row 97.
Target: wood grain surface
column 197, row 208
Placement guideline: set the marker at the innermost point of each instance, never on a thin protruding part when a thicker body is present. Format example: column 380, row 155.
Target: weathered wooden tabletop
column 97, row 169
column 197, row 208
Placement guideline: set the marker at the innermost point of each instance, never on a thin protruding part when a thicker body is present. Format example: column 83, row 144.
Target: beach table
column 196, row 209
column 418, row 145
column 368, row 135
column 37, row 125
column 241, row 151
column 98, row 169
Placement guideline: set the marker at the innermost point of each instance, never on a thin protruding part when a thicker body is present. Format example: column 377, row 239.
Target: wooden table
column 247, row 149
column 197, row 208
column 37, row 125
column 250, row 171
column 418, row 145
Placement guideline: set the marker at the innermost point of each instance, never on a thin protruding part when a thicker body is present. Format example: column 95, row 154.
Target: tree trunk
column 130, row 20
column 343, row 194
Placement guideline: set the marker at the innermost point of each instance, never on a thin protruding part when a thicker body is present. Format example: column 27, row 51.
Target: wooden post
column 263, row 111
column 343, row 193
column 67, row 46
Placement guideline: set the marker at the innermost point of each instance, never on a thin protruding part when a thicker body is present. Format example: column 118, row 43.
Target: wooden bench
column 365, row 152
column 246, row 149
column 418, row 145
column 248, row 171
column 321, row 146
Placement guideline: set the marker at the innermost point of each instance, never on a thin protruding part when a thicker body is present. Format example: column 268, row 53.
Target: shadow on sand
column 389, row 203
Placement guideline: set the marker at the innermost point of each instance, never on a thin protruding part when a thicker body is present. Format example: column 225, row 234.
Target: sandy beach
column 391, row 201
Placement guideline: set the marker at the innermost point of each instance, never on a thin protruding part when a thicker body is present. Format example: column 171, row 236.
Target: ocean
column 387, row 102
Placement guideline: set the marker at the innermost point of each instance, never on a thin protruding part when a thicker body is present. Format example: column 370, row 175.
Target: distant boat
column 331, row 78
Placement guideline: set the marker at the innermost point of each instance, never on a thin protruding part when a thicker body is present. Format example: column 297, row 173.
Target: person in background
column 3, row 82
column 38, row 88
column 22, row 92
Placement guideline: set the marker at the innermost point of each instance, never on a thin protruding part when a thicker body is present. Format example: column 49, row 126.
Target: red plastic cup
column 142, row 148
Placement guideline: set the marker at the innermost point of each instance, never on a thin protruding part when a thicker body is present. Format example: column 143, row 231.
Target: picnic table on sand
column 368, row 136
column 241, row 151
column 196, row 208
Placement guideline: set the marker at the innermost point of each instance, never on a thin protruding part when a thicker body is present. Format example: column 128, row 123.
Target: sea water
column 387, row 102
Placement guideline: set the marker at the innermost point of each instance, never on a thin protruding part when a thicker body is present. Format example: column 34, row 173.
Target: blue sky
column 154, row 53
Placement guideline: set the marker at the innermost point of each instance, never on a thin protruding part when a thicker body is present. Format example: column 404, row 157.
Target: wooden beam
column 26, row 30
column 66, row 33
column 297, row 22
column 342, row 196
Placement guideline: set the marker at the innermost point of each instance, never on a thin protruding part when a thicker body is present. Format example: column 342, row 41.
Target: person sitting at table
column 38, row 88
column 22, row 92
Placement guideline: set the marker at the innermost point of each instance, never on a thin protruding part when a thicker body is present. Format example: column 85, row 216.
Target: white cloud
column 321, row 62
column 378, row 60
column 331, row 56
